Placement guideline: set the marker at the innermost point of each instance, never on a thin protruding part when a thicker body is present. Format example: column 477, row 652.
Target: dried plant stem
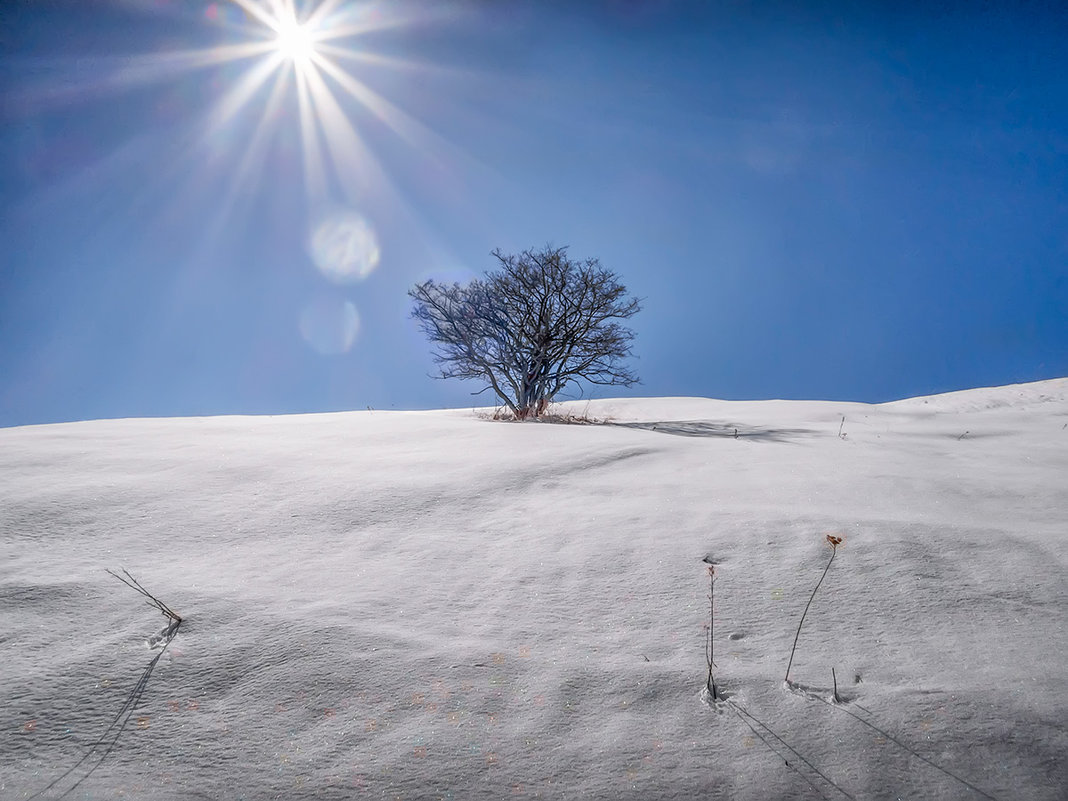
column 834, row 679
column 710, row 643
column 834, row 552
column 711, row 618
column 106, row 743
column 153, row 601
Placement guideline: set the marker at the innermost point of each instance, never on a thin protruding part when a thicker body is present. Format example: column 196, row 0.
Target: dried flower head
column 834, row 541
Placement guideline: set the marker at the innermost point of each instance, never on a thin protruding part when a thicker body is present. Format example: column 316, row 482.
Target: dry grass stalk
column 106, row 743
column 710, row 681
column 834, row 542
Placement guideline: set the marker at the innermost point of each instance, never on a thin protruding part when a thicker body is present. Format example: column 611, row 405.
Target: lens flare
column 344, row 247
column 329, row 325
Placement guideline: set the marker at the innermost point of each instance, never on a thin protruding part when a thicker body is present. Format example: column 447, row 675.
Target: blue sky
column 836, row 201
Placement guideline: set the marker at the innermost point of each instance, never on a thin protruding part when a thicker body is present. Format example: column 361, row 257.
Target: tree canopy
column 538, row 323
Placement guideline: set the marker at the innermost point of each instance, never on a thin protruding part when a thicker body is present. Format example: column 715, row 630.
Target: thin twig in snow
column 710, row 681
column 835, row 542
column 111, row 735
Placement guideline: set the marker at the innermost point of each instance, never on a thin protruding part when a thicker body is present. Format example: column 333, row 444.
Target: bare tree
column 528, row 329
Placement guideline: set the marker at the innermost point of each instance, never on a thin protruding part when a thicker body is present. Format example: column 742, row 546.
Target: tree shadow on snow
column 708, row 428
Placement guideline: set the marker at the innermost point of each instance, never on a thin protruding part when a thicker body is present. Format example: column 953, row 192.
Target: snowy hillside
column 433, row 605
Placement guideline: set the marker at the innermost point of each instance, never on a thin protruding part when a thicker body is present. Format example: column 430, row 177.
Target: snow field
column 432, row 605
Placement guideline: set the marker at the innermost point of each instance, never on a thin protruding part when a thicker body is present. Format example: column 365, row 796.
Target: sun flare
column 294, row 41
column 302, row 62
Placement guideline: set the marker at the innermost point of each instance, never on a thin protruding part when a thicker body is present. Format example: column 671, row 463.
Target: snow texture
column 434, row 605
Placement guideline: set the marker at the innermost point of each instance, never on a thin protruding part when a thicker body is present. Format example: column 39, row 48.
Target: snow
column 436, row 605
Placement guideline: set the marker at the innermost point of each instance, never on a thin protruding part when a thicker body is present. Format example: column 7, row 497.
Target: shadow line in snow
column 900, row 744
column 746, row 716
column 710, row 428
column 110, row 738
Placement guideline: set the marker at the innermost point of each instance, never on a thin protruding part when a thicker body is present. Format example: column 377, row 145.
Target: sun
column 306, row 51
column 294, row 40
